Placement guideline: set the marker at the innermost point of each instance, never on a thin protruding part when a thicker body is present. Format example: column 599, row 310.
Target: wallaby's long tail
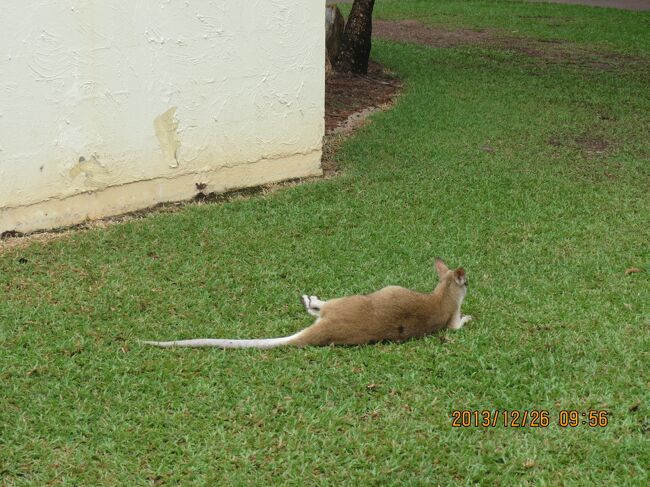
column 262, row 343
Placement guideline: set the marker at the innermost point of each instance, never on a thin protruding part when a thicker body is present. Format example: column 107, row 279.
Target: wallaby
column 390, row 314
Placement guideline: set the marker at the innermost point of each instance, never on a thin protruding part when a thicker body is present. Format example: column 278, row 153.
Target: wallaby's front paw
column 312, row 304
column 459, row 324
column 464, row 320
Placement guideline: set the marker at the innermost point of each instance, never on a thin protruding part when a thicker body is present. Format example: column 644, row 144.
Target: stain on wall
column 166, row 127
column 91, row 171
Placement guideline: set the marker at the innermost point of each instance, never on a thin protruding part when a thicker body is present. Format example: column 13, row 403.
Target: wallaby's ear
column 441, row 267
column 459, row 276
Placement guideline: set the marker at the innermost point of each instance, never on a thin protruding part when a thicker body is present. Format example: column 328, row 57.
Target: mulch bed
column 346, row 94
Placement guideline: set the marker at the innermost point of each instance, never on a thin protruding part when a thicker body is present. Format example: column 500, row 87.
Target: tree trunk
column 355, row 50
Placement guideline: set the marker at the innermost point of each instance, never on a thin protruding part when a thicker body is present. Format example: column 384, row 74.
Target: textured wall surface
column 107, row 107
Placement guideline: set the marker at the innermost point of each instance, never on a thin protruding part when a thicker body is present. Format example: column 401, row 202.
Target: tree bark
column 355, row 49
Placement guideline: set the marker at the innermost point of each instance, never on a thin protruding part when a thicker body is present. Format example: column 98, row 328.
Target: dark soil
column 419, row 33
column 591, row 145
column 346, row 94
column 548, row 51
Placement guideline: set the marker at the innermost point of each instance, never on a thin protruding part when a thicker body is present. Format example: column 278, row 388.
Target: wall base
column 115, row 200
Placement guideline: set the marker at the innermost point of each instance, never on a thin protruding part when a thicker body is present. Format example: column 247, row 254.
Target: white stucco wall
column 107, row 107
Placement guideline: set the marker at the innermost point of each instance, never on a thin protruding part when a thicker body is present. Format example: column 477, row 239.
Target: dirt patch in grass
column 419, row 33
column 591, row 145
column 593, row 148
column 547, row 51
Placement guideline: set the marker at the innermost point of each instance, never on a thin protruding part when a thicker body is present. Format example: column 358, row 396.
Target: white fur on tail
column 262, row 343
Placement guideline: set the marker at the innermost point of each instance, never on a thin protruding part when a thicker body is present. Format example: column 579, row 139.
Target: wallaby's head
column 454, row 281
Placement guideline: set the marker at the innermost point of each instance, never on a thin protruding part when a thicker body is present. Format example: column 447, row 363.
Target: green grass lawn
column 487, row 160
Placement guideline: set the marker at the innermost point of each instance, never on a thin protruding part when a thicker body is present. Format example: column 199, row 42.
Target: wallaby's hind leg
column 312, row 304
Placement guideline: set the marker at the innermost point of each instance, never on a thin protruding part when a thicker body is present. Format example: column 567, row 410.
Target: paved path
column 624, row 4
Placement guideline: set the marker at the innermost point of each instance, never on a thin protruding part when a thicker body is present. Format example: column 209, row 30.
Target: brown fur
column 392, row 313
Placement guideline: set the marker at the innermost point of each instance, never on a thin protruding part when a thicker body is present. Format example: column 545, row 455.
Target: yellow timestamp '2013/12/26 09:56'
column 534, row 418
